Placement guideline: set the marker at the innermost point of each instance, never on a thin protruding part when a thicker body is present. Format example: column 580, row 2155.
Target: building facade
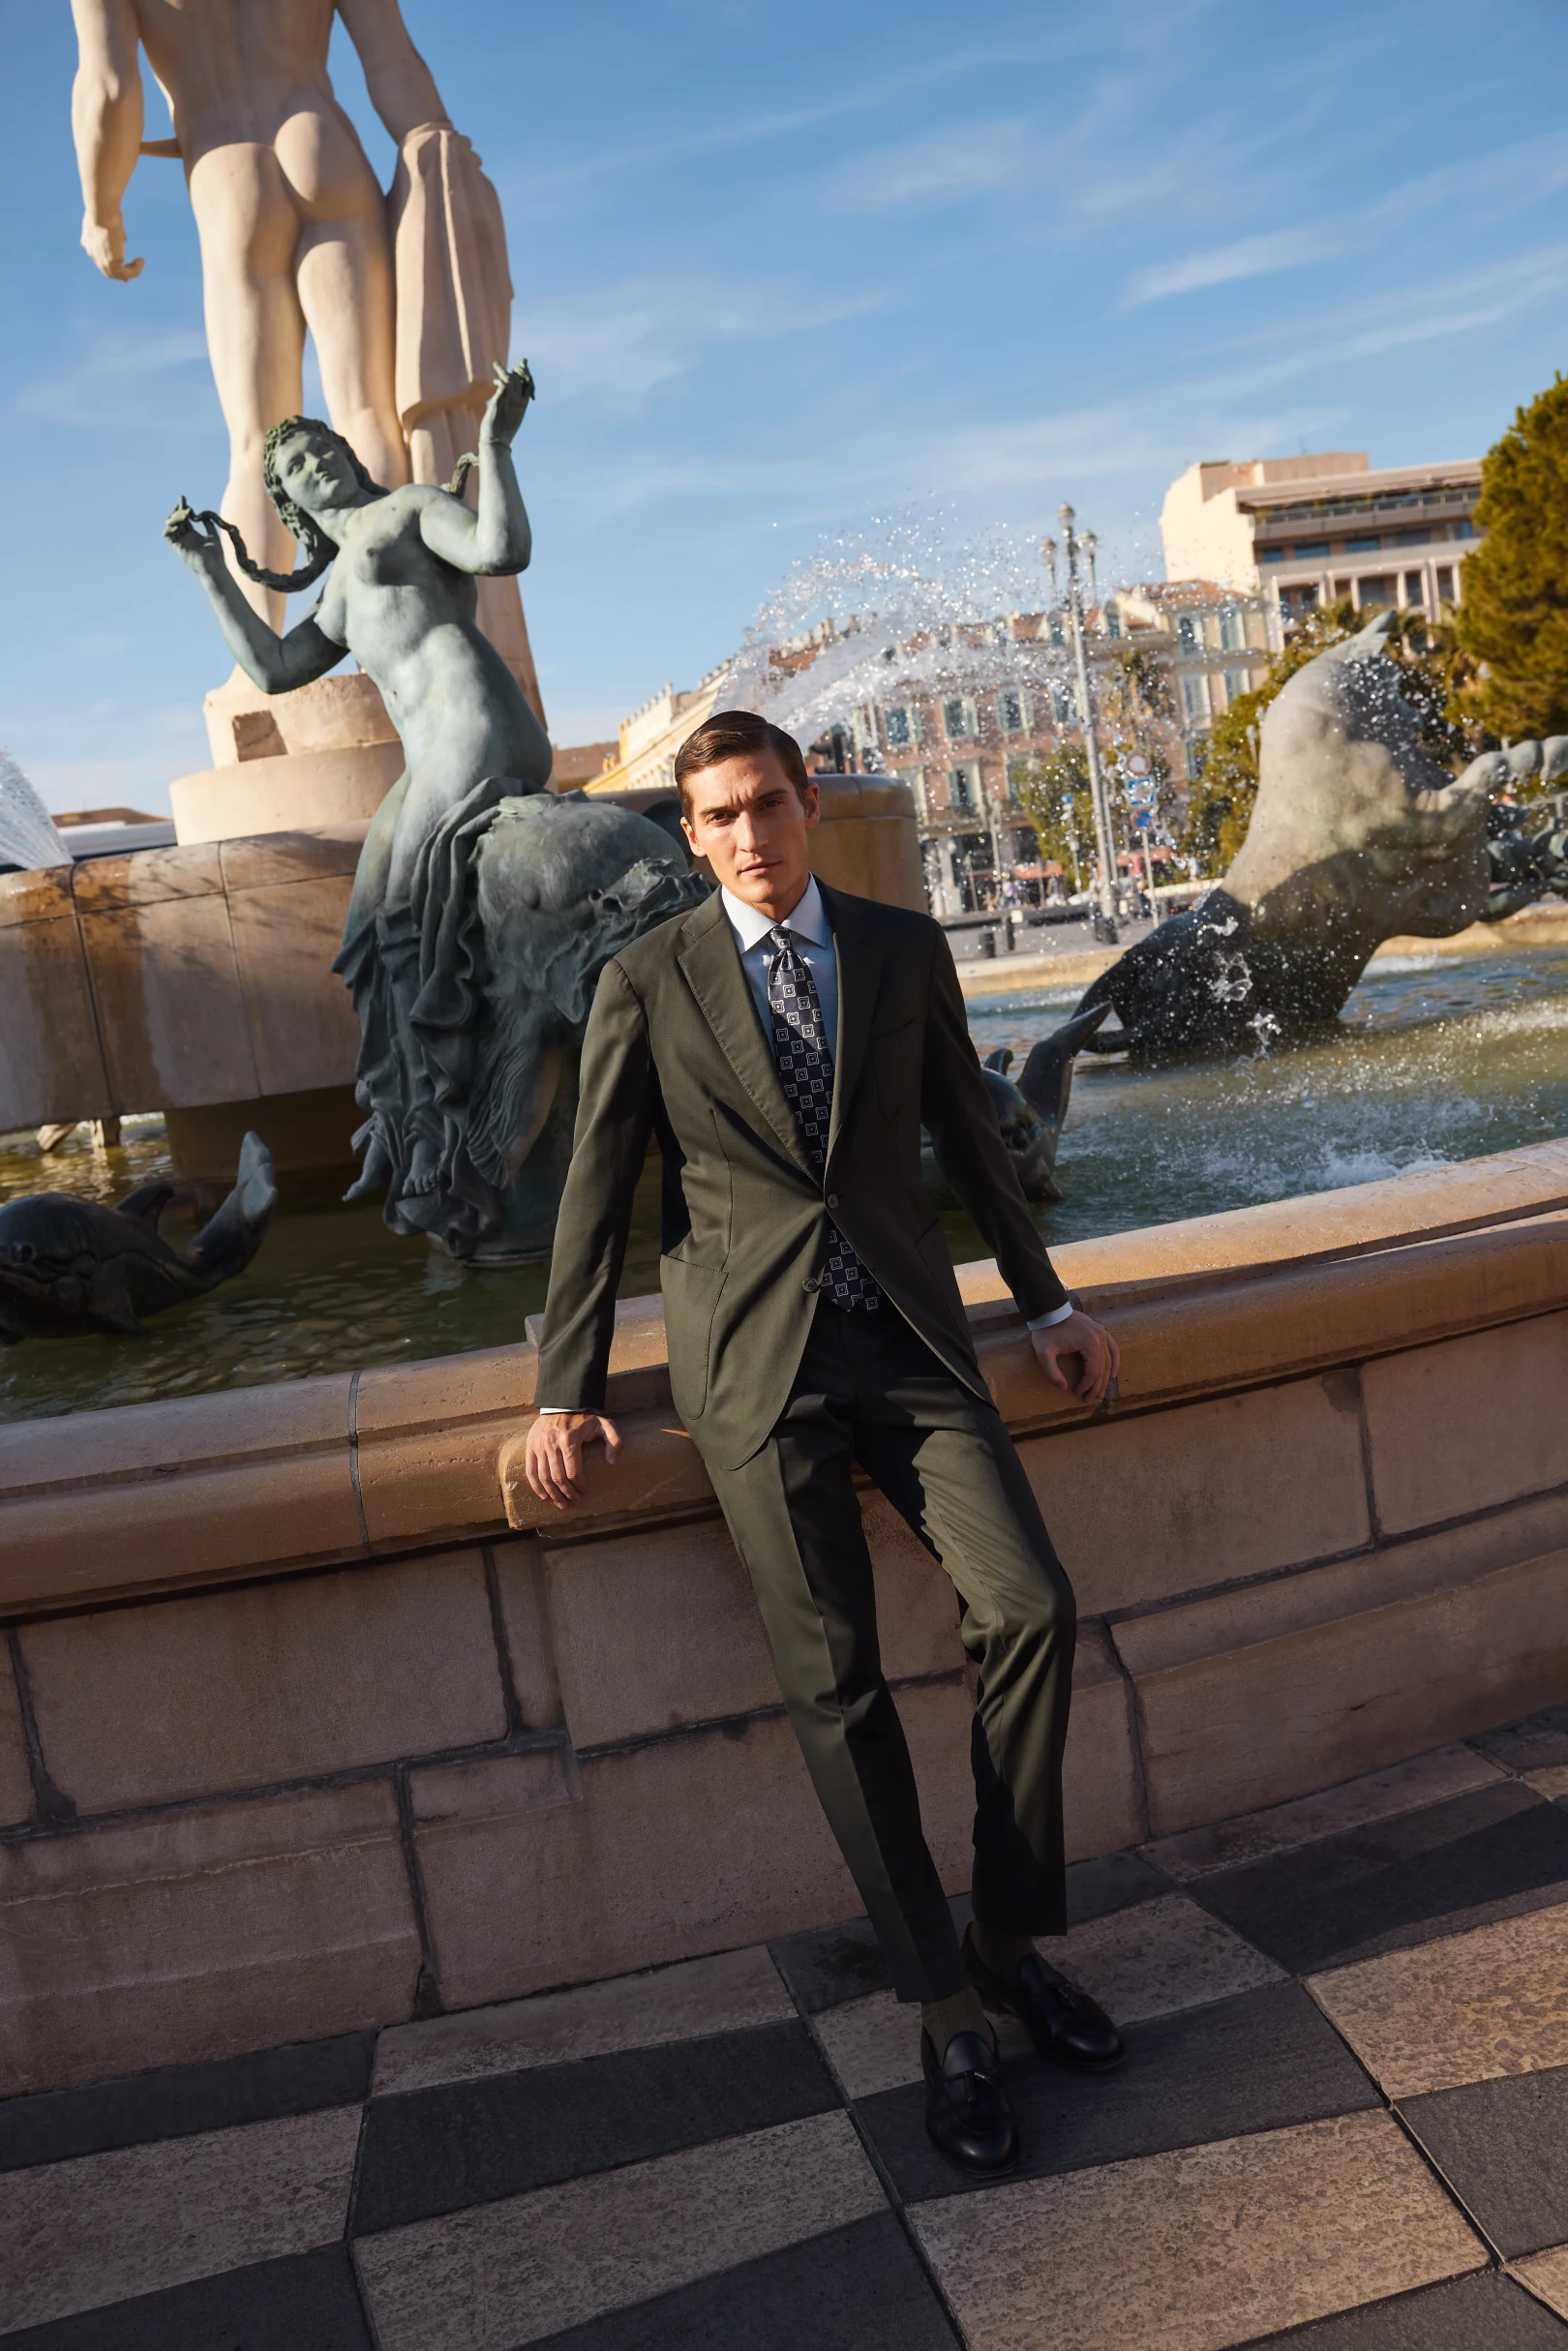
column 1307, row 531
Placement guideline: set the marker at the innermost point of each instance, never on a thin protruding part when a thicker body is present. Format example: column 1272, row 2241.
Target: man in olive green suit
column 787, row 1044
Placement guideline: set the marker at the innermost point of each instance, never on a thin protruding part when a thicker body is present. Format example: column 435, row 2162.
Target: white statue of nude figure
column 484, row 906
column 298, row 236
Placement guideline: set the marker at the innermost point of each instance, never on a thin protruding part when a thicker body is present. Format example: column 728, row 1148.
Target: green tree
column 1054, row 795
column 1513, row 620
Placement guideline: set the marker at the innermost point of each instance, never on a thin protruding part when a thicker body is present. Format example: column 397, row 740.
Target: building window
column 1062, row 704
column 963, row 790
column 898, row 724
column 914, row 779
column 1363, row 546
column 1057, row 636
column 1187, row 633
column 1415, row 591
column 1412, row 539
column 1376, row 592
column 1012, row 712
column 958, row 718
column 1465, row 529
column 1232, row 636
column 1310, row 554
column 1297, row 599
column 1017, row 774
column 1237, row 683
column 1113, row 622
column 1445, row 583
column 1274, row 554
column 1195, row 699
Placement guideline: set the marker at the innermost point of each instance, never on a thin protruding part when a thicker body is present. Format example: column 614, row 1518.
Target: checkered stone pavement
column 1342, row 2126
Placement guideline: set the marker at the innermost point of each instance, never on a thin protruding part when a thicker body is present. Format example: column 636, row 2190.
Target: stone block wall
column 300, row 1732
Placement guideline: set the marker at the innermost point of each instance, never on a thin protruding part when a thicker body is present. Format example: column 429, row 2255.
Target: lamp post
column 1074, row 545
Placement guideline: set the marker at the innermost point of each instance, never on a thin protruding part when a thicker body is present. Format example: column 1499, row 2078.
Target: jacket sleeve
column 956, row 1112
column 618, row 1098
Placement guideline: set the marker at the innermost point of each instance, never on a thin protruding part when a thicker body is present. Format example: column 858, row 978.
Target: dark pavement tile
column 436, row 2151
column 1532, row 1744
column 1485, row 2313
column 1503, row 2147
column 858, row 2289
column 308, row 2302
column 177, row 2101
column 835, row 1964
column 1254, row 2062
column 1491, row 1855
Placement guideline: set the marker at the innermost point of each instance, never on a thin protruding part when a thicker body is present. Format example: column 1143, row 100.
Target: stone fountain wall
column 301, row 1734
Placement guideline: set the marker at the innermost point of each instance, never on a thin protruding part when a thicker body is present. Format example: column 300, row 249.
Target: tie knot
column 783, row 940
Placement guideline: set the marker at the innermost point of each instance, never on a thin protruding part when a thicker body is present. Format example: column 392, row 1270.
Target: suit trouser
column 869, row 1391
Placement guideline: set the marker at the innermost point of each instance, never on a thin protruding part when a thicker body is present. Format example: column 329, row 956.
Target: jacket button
column 811, row 1283
column 832, row 1199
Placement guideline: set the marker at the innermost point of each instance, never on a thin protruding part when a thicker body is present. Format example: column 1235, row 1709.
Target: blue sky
column 786, row 275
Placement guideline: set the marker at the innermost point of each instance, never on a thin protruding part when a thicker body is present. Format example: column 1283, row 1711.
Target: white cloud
column 102, row 386
column 617, row 345
column 944, row 169
column 1249, row 257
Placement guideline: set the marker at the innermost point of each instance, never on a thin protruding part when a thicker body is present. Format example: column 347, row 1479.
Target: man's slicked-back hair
column 736, row 734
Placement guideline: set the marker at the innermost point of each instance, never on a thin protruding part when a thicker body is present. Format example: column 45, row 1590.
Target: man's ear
column 813, row 805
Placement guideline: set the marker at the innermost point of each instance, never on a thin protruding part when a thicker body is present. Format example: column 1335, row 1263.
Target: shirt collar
column 751, row 926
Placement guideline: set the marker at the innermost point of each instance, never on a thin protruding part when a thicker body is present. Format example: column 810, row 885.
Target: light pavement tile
column 1163, row 1956
column 1426, row 1779
column 682, row 2003
column 1466, row 2009
column 499, row 2275
column 1152, row 1960
column 1198, row 2249
column 103, row 2228
column 1546, row 2277
column 1552, row 1782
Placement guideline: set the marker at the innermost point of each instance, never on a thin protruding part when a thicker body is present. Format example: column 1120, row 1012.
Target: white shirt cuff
column 1059, row 1313
column 542, row 1409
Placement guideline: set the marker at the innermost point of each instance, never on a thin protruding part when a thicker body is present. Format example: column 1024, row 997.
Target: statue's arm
column 401, row 85
column 273, row 663
column 499, row 537
column 105, row 123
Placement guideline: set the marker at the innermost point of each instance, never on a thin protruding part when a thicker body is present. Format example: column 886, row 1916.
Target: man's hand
column 508, row 403
column 1079, row 1335
column 553, row 1459
column 103, row 242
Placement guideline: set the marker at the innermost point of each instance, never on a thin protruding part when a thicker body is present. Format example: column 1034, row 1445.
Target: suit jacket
column 674, row 1043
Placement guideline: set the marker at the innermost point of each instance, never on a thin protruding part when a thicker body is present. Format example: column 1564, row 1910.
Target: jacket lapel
column 711, row 964
column 860, row 976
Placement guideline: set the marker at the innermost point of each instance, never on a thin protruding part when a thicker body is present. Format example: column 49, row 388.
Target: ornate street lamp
column 1074, row 545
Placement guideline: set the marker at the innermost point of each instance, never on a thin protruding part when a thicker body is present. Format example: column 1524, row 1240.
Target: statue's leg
column 346, row 291
column 256, row 333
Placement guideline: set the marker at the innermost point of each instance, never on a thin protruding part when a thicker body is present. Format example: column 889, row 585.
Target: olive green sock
column 962, row 2013
column 1003, row 1951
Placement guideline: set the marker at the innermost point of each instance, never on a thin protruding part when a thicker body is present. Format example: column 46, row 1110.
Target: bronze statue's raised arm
column 498, row 538
column 273, row 663
column 107, row 123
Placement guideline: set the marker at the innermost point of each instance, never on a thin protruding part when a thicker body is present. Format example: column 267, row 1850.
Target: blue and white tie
column 805, row 1070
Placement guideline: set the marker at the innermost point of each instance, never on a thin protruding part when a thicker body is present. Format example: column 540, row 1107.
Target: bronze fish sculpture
column 70, row 1267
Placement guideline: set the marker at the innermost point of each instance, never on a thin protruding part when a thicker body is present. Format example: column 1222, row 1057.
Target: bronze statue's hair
column 736, row 734
column 319, row 550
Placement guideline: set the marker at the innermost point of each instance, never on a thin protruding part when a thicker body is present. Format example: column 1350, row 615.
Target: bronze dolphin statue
column 1030, row 1113
column 70, row 1267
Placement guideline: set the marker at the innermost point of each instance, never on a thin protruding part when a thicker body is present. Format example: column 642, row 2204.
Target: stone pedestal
column 324, row 756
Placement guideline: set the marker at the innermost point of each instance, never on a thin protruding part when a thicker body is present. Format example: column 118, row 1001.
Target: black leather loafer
column 1064, row 2022
column 966, row 2107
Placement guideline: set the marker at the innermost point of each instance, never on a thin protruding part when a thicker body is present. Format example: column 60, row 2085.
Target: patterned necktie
column 805, row 1069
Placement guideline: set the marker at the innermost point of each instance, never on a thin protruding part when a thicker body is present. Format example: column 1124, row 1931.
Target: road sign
column 1143, row 819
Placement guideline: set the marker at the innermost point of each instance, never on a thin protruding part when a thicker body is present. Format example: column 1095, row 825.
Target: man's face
column 750, row 823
